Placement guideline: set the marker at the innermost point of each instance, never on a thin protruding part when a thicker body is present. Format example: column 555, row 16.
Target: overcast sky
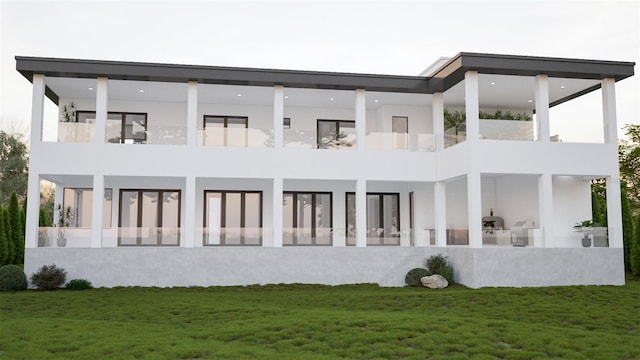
column 371, row 37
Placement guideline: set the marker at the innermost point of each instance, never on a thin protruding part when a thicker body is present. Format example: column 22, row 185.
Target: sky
column 378, row 37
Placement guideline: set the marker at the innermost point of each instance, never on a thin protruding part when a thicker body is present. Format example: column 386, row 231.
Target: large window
column 80, row 203
column 149, row 217
column 233, row 217
column 336, row 134
column 122, row 127
column 225, row 130
column 307, row 219
column 400, row 132
column 383, row 218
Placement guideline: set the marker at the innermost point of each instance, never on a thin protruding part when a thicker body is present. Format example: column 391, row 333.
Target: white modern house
column 180, row 175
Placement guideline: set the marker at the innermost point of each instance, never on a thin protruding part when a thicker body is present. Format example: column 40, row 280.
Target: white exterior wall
column 513, row 194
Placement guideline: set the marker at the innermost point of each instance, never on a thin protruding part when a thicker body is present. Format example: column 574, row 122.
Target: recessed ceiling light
column 141, row 90
column 286, row 96
column 376, row 100
column 562, row 86
column 331, row 99
column 492, row 83
column 90, row 89
column 529, row 100
column 239, row 95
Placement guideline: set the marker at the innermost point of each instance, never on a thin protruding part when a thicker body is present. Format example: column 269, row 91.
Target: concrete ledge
column 386, row 266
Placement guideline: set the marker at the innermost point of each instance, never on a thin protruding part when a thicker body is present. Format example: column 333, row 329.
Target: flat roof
column 449, row 74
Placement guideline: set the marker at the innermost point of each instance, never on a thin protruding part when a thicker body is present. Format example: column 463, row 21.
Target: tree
column 13, row 166
column 629, row 158
column 627, row 228
column 4, row 248
column 8, row 232
column 17, row 234
column 635, row 249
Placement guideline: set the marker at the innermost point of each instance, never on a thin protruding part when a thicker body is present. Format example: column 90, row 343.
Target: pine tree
column 635, row 249
column 17, row 236
column 44, row 220
column 627, row 228
column 4, row 248
column 8, row 235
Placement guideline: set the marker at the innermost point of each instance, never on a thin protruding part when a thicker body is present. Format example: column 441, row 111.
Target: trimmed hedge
column 79, row 284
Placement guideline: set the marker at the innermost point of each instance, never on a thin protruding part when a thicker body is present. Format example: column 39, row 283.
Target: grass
column 322, row 322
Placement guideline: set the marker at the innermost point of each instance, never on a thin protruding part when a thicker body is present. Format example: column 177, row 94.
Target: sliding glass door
column 233, row 218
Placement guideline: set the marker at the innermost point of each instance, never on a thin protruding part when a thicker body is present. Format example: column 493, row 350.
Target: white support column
column 97, row 211
column 614, row 212
column 192, row 113
column 610, row 122
column 474, row 209
column 37, row 110
column 278, row 116
column 189, row 204
column 545, row 209
column 101, row 110
column 361, row 213
column 438, row 120
column 361, row 120
column 339, row 219
column 440, row 212
column 542, row 107
column 472, row 106
column 33, row 210
column 277, row 210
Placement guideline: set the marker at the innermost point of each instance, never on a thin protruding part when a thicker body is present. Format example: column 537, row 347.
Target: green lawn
column 322, row 322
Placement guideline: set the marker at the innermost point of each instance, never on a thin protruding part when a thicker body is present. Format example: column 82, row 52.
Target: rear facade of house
column 181, row 175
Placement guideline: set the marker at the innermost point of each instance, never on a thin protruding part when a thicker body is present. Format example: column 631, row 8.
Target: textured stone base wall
column 385, row 266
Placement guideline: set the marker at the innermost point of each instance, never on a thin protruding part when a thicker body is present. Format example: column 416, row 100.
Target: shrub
column 79, row 284
column 414, row 275
column 438, row 264
column 49, row 277
column 12, row 278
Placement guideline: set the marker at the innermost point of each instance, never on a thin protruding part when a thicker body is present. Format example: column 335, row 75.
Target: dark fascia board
column 118, row 70
column 453, row 71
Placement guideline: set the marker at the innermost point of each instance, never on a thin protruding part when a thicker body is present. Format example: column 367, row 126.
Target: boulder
column 434, row 282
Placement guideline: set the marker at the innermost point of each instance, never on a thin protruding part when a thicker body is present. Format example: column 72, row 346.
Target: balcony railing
column 395, row 141
column 64, row 237
column 71, row 132
column 506, row 130
column 233, row 236
column 149, row 236
column 236, row 137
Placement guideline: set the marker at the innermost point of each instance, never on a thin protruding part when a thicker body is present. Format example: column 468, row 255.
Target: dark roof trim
column 453, row 71
column 444, row 78
column 118, row 70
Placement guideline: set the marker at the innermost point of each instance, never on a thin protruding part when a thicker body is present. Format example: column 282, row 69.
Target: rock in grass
column 434, row 282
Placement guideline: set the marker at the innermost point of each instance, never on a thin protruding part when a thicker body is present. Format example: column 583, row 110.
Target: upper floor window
column 122, row 127
column 336, row 134
column 400, row 130
column 225, row 130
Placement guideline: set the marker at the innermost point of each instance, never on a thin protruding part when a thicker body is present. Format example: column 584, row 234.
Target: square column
column 189, row 226
column 33, row 210
column 474, row 209
column 610, row 122
column 37, row 110
column 361, row 120
column 97, row 211
column 542, row 107
column 440, row 212
column 361, row 213
column 438, row 120
column 472, row 106
column 278, row 116
column 614, row 212
column 192, row 113
column 545, row 207
column 277, row 209
column 339, row 219
column 101, row 110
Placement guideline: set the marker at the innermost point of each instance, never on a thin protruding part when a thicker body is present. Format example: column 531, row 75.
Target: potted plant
column 586, row 227
column 65, row 215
